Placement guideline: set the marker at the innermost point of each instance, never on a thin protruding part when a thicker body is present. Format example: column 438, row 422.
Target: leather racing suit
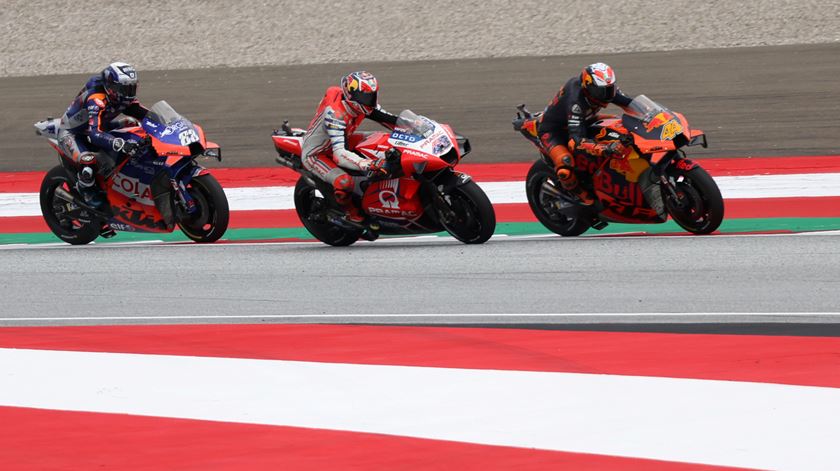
column 324, row 150
column 85, row 126
column 562, row 130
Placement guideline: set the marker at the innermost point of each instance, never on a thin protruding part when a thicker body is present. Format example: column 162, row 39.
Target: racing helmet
column 120, row 82
column 598, row 83
column 359, row 90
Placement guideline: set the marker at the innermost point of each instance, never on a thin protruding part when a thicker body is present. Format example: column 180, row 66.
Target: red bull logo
column 657, row 121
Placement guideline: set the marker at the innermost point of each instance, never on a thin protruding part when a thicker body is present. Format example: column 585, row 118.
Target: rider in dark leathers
column 562, row 129
column 85, row 126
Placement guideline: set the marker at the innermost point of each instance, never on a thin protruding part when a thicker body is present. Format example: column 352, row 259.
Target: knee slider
column 341, row 196
column 87, row 158
column 343, row 182
column 564, row 174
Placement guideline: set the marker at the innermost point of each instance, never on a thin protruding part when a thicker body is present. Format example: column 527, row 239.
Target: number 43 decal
column 188, row 137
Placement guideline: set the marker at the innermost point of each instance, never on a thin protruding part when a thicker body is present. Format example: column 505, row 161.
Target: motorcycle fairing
column 616, row 185
column 133, row 202
column 395, row 198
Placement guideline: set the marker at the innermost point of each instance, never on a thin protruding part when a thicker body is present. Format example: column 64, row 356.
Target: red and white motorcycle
column 422, row 192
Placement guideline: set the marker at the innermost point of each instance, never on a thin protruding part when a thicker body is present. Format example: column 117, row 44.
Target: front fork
column 182, row 196
column 437, row 193
column 179, row 187
column 668, row 181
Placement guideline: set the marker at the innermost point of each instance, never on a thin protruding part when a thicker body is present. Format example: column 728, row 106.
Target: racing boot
column 570, row 183
column 352, row 214
column 652, row 192
column 107, row 231
column 86, row 185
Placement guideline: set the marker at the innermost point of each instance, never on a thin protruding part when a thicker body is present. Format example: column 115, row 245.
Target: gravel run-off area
column 46, row 37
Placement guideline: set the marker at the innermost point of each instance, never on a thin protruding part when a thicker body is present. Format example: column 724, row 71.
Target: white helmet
column 120, row 81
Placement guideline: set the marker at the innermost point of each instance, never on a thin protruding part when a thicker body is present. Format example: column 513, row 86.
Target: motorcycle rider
column 339, row 114
column 562, row 129
column 85, row 126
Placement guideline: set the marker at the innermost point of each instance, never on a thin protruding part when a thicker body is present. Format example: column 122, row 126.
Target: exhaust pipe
column 551, row 190
column 67, row 196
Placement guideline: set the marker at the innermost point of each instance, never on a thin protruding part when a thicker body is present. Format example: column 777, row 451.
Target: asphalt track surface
column 751, row 101
column 505, row 281
column 762, row 101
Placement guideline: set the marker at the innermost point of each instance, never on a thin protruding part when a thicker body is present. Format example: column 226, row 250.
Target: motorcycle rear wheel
column 65, row 228
column 210, row 221
column 475, row 218
column 539, row 202
column 700, row 210
column 308, row 202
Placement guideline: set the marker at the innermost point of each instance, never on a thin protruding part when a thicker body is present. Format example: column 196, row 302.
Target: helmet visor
column 364, row 98
column 603, row 94
column 124, row 90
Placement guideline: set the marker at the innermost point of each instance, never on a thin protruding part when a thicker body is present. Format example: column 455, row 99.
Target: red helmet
column 360, row 90
column 598, row 83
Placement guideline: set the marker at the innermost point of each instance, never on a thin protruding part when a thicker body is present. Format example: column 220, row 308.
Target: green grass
column 509, row 228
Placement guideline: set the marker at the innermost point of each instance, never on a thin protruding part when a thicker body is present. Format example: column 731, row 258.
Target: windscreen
column 412, row 123
column 644, row 108
column 162, row 113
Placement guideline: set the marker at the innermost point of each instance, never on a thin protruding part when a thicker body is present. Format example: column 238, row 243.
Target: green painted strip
column 509, row 228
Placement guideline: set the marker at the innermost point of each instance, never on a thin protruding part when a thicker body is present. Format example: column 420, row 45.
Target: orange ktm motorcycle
column 652, row 182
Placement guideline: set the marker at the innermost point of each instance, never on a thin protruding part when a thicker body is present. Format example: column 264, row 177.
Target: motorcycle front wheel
column 210, row 220
column 698, row 206
column 56, row 211
column 475, row 219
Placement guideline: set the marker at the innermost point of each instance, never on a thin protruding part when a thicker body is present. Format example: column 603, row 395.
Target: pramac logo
column 388, row 194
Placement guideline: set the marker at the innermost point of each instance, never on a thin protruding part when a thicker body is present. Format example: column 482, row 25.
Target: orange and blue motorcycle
column 155, row 190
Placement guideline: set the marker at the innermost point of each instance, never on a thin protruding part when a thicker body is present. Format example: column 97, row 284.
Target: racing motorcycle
column 158, row 187
column 421, row 192
column 651, row 182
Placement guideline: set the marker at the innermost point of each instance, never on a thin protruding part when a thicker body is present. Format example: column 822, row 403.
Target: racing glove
column 377, row 167
column 615, row 149
column 126, row 147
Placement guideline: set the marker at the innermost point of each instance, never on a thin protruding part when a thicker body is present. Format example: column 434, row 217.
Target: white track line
column 734, row 423
column 321, row 317
column 395, row 240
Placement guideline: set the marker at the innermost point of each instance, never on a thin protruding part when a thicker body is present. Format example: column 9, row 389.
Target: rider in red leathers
column 339, row 114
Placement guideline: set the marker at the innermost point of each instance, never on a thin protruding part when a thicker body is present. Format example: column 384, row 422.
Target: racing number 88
column 188, row 137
